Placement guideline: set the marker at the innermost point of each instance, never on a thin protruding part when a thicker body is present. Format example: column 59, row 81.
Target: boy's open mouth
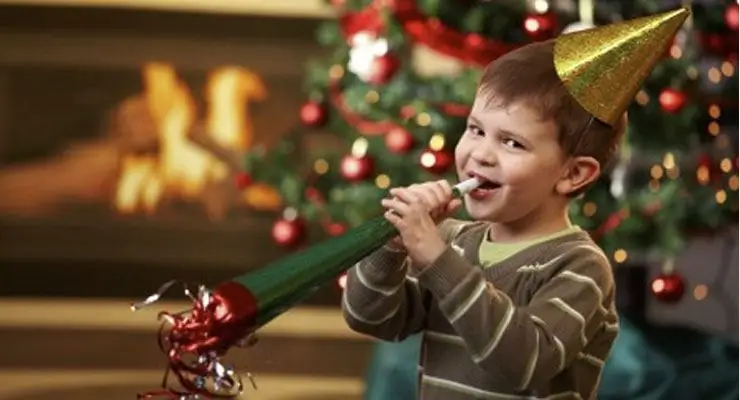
column 487, row 188
column 488, row 185
column 485, row 183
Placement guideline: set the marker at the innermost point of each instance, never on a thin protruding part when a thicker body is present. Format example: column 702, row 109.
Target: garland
column 369, row 127
column 360, row 123
column 469, row 48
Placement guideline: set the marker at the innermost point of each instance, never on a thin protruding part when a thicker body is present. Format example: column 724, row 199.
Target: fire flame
column 181, row 169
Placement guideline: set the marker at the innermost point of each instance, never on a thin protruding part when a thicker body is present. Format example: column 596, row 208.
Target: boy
column 518, row 304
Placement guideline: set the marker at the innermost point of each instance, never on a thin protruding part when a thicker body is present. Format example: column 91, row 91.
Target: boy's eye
column 513, row 144
column 475, row 130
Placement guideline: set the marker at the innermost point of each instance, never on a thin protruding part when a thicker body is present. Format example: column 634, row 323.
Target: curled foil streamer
column 194, row 350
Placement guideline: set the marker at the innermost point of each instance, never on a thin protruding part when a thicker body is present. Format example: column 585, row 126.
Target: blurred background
column 143, row 141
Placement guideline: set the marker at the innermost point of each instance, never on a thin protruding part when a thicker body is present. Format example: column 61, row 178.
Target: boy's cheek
column 461, row 153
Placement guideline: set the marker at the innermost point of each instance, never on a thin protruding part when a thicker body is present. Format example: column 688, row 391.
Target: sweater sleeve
column 381, row 300
column 526, row 345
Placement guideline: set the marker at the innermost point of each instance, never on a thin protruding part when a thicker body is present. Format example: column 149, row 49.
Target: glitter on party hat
column 604, row 67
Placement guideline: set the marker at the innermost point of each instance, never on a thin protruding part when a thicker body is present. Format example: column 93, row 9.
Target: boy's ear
column 582, row 172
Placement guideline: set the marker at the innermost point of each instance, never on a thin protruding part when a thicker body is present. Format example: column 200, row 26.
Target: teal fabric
column 393, row 372
column 647, row 363
column 659, row 363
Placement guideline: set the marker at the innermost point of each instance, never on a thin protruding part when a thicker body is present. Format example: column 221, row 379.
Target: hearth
column 99, row 173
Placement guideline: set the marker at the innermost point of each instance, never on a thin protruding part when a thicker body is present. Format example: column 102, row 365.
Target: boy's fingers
column 453, row 205
column 425, row 195
column 393, row 218
column 408, row 196
column 445, row 188
column 440, row 193
column 396, row 206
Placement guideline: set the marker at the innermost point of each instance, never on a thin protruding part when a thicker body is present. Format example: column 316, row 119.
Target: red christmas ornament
column 288, row 232
column 335, row 229
column 731, row 16
column 668, row 288
column 314, row 114
column 399, row 141
column 355, row 169
column 242, row 180
column 541, row 26
column 313, row 194
column 383, row 68
column 436, row 161
column 407, row 112
column 672, row 100
column 713, row 43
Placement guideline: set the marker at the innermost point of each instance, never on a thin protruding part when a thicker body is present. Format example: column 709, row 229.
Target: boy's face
column 519, row 154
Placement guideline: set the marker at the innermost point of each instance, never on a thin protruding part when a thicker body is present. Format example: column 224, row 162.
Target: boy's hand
column 415, row 212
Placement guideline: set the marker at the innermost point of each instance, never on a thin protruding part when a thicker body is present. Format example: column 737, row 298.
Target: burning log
column 199, row 136
column 174, row 155
column 84, row 173
column 133, row 128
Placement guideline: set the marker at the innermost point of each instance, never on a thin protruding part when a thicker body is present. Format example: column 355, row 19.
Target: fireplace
column 120, row 133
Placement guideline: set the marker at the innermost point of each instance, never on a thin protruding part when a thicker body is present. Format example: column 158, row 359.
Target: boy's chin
column 481, row 212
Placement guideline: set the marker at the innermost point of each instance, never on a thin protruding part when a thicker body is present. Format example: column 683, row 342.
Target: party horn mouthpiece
column 465, row 187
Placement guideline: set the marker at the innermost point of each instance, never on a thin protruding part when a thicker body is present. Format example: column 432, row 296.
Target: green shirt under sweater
column 491, row 253
column 537, row 323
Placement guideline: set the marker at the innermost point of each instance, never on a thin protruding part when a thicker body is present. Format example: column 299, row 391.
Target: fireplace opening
column 118, row 149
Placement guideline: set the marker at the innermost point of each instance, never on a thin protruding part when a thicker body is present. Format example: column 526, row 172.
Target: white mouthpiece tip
column 467, row 185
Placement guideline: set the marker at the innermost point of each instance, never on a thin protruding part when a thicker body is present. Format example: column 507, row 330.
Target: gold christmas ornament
column 604, row 67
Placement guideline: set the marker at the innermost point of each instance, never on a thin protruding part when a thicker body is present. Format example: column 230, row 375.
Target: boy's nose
column 484, row 155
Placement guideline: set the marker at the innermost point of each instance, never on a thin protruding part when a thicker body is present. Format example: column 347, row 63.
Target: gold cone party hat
column 604, row 67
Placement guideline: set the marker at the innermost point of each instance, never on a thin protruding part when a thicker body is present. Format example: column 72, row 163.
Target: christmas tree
column 677, row 174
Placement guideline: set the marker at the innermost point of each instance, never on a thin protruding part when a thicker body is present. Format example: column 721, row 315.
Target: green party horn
column 229, row 315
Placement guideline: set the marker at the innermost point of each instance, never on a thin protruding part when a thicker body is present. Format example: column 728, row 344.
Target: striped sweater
column 536, row 325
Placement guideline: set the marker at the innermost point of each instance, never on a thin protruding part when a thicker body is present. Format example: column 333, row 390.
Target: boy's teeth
column 489, row 185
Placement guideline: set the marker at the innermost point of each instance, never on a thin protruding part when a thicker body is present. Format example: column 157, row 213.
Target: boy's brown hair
column 528, row 74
